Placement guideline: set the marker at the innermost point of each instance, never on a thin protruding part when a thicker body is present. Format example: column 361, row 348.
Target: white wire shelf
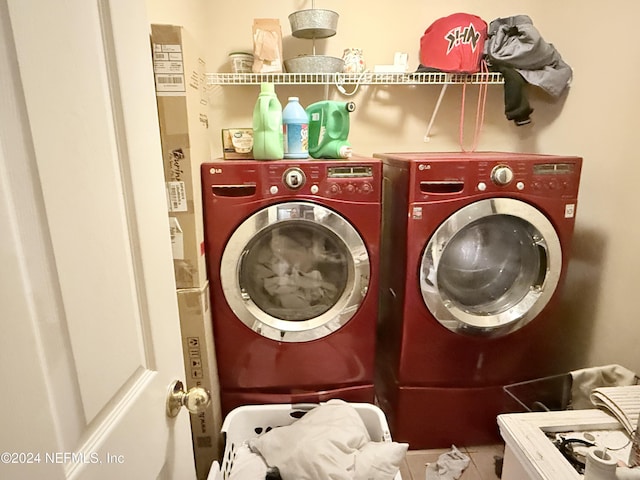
column 367, row 78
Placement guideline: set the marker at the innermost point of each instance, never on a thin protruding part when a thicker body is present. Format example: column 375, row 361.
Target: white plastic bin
column 250, row 421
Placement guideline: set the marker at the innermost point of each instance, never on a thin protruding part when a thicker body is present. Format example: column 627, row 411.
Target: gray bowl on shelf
column 313, row 23
column 314, row 64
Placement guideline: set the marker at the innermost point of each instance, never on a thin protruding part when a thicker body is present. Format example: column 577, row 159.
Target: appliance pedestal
column 231, row 399
column 428, row 417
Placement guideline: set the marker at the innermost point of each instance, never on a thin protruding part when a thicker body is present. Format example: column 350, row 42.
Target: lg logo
column 423, row 166
column 215, row 170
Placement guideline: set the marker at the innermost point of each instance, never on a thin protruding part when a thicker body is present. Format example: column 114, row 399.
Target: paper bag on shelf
column 267, row 45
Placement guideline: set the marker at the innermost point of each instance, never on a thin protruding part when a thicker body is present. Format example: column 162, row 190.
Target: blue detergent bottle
column 295, row 123
column 329, row 129
column 267, row 125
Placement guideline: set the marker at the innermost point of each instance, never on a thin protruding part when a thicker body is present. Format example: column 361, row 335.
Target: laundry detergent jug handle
column 264, row 111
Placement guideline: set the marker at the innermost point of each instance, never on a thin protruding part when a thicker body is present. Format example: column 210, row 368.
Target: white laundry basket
column 250, row 421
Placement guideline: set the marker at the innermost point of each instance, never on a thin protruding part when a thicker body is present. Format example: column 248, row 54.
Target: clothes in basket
column 335, row 440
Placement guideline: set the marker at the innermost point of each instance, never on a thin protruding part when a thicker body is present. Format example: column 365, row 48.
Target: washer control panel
column 336, row 179
column 357, row 180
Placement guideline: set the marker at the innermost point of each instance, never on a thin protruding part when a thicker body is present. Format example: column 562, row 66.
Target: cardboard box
column 201, row 371
column 180, row 75
column 237, row 143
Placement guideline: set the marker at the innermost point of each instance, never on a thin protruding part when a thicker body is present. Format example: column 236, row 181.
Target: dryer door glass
column 295, row 271
column 491, row 267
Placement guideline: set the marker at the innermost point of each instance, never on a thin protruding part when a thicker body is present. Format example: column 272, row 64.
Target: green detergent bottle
column 329, row 129
column 267, row 125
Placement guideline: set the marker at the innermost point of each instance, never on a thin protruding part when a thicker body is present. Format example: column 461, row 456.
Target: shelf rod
column 435, row 112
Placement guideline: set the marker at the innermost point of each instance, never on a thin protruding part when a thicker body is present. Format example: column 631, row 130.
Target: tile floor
column 481, row 466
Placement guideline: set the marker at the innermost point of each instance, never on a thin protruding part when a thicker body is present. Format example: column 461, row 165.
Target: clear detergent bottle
column 329, row 129
column 296, row 130
column 267, row 125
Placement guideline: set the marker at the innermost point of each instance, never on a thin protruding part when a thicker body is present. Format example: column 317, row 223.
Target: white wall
column 597, row 119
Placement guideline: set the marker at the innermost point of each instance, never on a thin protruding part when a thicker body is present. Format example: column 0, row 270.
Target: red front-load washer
column 292, row 251
column 474, row 250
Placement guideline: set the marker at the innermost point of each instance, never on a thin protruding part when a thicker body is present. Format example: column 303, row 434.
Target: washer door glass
column 295, row 271
column 491, row 267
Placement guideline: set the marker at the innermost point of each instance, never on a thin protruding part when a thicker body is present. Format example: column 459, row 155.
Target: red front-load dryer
column 292, row 250
column 474, row 250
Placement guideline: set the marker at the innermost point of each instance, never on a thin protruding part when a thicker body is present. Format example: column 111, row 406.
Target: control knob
column 367, row 187
column 501, row 175
column 294, row 178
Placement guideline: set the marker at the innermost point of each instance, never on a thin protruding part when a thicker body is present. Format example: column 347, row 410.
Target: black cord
column 566, row 448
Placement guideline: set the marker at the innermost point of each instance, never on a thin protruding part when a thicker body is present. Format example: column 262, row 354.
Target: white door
column 90, row 336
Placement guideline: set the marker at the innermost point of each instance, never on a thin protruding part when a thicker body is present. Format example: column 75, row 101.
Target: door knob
column 196, row 400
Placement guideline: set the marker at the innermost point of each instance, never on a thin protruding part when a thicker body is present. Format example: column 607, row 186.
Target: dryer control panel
column 559, row 178
column 436, row 176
